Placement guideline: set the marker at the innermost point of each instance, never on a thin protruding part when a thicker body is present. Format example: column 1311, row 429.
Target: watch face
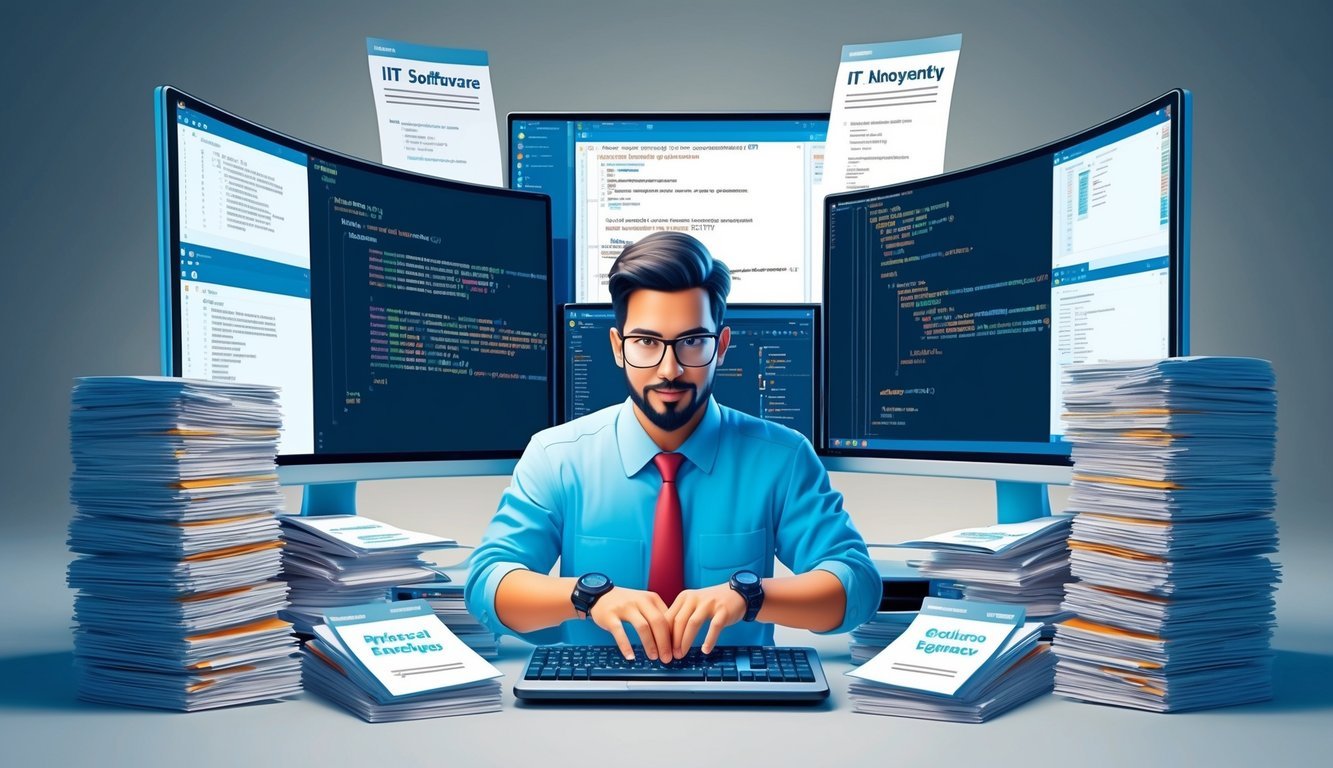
column 746, row 578
column 593, row 581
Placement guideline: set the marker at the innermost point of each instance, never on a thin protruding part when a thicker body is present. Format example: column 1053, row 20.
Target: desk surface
column 41, row 721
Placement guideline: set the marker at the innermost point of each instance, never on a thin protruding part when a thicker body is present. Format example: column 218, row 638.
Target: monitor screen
column 953, row 302
column 741, row 183
column 770, row 370
column 396, row 312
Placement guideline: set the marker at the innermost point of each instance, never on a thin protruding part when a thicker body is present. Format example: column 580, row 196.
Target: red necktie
column 666, row 572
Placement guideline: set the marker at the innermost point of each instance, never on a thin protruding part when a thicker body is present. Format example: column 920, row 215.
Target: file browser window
column 1110, row 250
column 741, row 184
column 245, row 266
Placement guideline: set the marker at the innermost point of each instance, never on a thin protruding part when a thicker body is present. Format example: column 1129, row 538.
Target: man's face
column 669, row 394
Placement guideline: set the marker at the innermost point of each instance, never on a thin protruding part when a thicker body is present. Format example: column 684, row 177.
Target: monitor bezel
column 816, row 373
column 372, row 465
column 1032, row 467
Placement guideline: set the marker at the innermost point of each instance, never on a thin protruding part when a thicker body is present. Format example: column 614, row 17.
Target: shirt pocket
column 722, row 554
column 621, row 559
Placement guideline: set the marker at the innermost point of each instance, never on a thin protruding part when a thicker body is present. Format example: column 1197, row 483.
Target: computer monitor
column 770, row 370
column 398, row 313
column 740, row 182
column 954, row 302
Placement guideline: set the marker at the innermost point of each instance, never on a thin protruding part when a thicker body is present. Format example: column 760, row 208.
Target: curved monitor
column 953, row 302
column 397, row 312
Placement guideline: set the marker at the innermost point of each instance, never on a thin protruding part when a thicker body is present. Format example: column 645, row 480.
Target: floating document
column 436, row 111
column 890, row 118
column 394, row 661
column 175, row 490
column 1173, row 489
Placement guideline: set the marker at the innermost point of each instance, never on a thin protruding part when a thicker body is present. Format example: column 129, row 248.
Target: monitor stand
column 319, row 499
column 1017, row 502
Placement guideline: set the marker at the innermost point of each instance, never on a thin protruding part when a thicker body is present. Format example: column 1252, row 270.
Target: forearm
column 815, row 601
column 526, row 601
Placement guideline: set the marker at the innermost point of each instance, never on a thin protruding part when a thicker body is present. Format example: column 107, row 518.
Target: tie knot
column 668, row 464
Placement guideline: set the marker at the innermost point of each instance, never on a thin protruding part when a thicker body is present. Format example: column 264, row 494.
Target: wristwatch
column 750, row 587
column 587, row 589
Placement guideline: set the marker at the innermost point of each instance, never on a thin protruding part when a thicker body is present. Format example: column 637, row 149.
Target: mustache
column 669, row 386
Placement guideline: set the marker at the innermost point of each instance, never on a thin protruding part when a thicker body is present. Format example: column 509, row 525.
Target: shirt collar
column 637, row 448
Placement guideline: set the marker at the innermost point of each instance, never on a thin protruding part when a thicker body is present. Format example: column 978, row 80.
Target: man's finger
column 644, row 630
column 692, row 625
column 714, row 630
column 661, row 631
column 622, row 640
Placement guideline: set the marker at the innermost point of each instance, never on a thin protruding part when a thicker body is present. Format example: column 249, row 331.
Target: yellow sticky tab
column 216, row 482
column 243, row 549
column 1161, row 485
column 1106, row 629
column 1107, row 549
column 263, row 625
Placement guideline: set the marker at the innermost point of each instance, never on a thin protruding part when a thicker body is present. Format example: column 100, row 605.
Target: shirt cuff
column 855, row 610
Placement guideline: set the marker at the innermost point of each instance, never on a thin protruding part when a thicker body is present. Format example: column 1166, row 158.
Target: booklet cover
column 949, row 643
column 401, row 649
column 1001, row 538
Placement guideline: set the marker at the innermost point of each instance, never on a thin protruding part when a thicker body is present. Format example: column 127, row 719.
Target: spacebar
column 687, row 675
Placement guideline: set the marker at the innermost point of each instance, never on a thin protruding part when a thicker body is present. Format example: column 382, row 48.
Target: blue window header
column 376, row 46
column 189, row 117
column 1080, row 273
column 693, row 130
column 210, row 265
column 872, row 51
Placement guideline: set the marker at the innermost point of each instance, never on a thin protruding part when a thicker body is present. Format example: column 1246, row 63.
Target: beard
column 675, row 415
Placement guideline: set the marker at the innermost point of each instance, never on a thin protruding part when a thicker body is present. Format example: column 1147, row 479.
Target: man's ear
column 616, row 348
column 723, row 341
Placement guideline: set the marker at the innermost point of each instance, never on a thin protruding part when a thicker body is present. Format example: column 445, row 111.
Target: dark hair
column 668, row 261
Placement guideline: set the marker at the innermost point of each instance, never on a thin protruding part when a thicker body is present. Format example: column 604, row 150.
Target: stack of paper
column 1173, row 491
column 444, row 594
column 875, row 635
column 1023, row 564
column 397, row 661
column 960, row 661
column 333, row 561
column 176, row 493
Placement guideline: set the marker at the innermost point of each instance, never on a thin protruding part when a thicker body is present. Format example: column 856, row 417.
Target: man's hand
column 644, row 611
column 721, row 605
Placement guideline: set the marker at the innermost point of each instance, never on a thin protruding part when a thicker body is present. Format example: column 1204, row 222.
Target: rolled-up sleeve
column 814, row 532
column 525, row 533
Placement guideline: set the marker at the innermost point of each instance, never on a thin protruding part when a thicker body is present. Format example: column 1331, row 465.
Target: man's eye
column 647, row 343
column 692, row 341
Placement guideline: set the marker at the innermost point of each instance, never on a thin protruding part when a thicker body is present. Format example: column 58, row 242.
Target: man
column 666, row 511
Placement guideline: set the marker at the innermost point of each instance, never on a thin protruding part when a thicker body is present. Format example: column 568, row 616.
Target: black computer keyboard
column 729, row 673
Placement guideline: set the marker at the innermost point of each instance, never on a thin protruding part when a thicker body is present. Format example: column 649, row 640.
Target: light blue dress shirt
column 585, row 493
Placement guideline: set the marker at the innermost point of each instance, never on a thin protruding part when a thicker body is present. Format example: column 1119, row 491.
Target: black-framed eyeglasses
column 693, row 351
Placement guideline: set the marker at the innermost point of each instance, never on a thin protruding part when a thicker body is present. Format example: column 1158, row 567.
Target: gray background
column 80, row 278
